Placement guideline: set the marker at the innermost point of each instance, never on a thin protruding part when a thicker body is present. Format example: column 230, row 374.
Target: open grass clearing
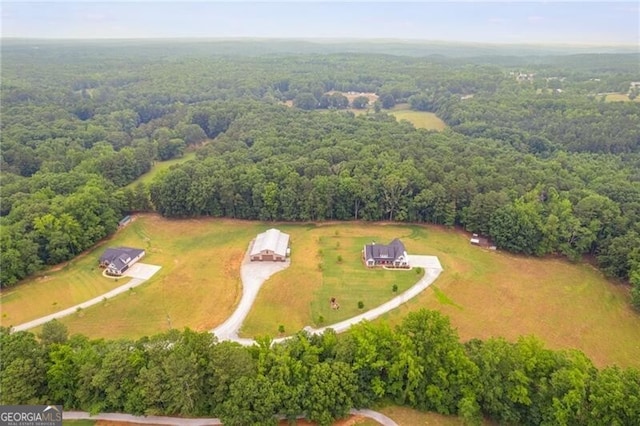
column 61, row 287
column 160, row 166
column 489, row 294
column 619, row 97
column 326, row 263
column 345, row 277
column 485, row 293
column 419, row 119
column 197, row 286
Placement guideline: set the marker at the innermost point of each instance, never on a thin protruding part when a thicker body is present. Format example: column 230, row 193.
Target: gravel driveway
column 253, row 275
column 139, row 273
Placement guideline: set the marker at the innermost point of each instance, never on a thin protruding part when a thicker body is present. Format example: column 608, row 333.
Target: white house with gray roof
column 117, row 260
column 271, row 245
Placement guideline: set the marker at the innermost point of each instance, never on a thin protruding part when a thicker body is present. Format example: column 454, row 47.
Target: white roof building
column 270, row 245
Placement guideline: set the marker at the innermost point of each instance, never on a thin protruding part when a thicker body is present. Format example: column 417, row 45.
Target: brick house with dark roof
column 393, row 255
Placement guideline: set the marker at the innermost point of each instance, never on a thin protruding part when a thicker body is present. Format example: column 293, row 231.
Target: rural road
column 139, row 273
column 161, row 420
column 254, row 274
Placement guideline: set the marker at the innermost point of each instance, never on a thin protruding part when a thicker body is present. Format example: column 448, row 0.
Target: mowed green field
column 326, row 263
column 58, row 288
column 198, row 285
column 485, row 293
column 160, row 166
column 420, row 119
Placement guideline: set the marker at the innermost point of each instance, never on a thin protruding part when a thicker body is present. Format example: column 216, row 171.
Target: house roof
column 392, row 251
column 272, row 240
column 119, row 257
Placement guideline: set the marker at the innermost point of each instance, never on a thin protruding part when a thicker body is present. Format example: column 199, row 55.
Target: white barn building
column 271, row 245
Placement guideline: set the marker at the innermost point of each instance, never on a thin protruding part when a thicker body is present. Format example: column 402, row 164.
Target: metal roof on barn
column 272, row 240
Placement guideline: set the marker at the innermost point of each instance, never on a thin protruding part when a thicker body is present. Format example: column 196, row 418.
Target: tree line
column 542, row 167
column 277, row 163
column 421, row 363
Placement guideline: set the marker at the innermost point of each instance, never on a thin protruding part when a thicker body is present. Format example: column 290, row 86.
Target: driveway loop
column 254, row 274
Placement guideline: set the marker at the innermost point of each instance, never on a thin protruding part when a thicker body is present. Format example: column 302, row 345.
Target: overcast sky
column 574, row 22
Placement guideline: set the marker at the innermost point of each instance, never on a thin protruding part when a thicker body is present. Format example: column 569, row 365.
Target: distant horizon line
column 329, row 39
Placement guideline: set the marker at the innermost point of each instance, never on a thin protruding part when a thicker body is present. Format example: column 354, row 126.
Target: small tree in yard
column 360, row 304
column 394, row 288
column 339, row 258
column 54, row 332
column 281, row 329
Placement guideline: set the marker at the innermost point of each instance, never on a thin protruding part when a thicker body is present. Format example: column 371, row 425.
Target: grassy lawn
column 619, row 97
column 485, row 293
column 567, row 305
column 420, row 119
column 160, row 166
column 301, row 294
column 59, row 288
column 197, row 286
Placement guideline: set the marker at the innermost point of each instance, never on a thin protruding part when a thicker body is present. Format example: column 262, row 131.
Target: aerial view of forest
column 200, row 145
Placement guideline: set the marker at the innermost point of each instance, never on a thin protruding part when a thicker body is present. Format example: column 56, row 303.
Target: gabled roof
column 272, row 240
column 119, row 257
column 394, row 250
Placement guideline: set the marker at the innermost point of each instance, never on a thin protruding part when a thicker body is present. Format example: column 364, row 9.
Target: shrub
column 360, row 304
column 394, row 288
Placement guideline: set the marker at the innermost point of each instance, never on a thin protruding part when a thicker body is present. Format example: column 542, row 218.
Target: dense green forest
column 543, row 165
column 421, row 363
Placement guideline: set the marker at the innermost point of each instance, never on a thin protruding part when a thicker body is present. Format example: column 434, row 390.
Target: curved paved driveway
column 254, row 274
column 139, row 273
column 162, row 420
